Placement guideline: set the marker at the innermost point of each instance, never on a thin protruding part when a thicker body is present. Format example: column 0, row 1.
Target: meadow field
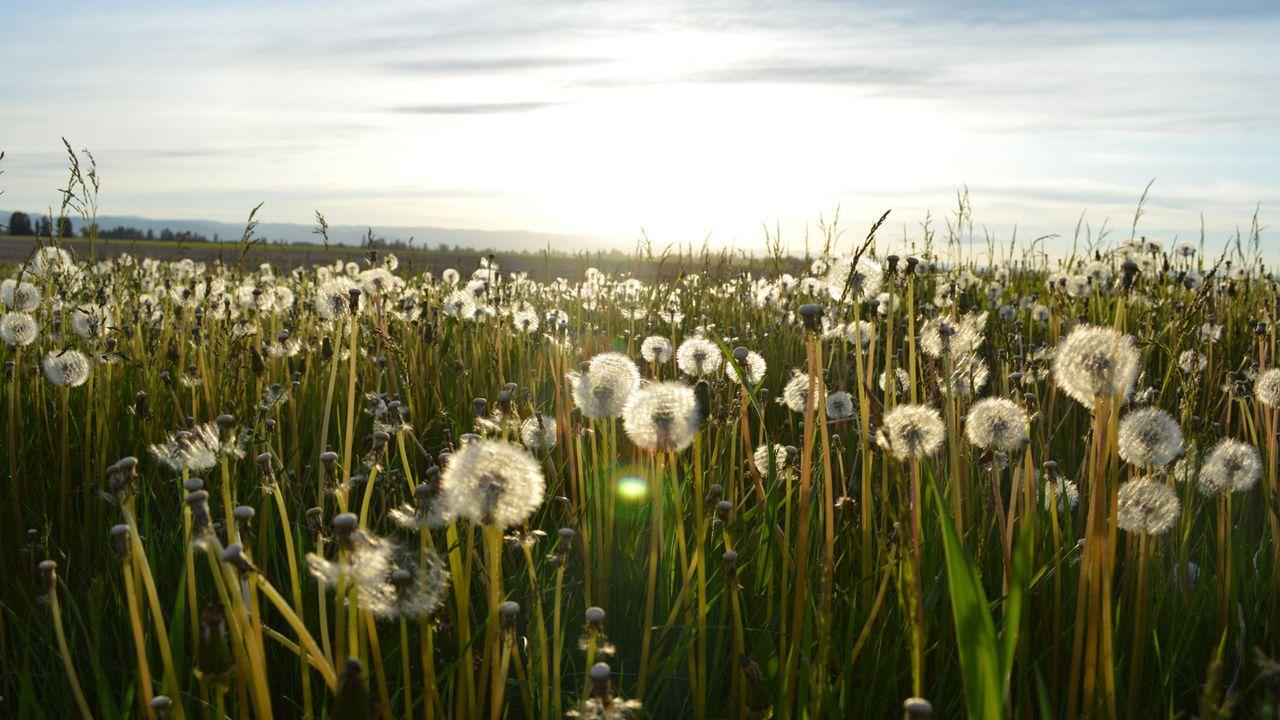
column 892, row 478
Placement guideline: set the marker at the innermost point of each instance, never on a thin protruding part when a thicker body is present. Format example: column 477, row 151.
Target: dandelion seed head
column 1095, row 362
column 603, row 389
column 1149, row 438
column 997, row 424
column 776, row 453
column 66, row 368
column 852, row 281
column 662, row 417
column 333, row 298
column 1063, row 492
column 839, row 405
column 795, row 394
column 19, row 295
column 753, row 367
column 1231, row 466
column 910, row 432
column 698, row 356
column 197, row 449
column 538, row 432
column 1267, row 388
column 491, row 482
column 1146, row 506
column 656, row 349
column 18, row 329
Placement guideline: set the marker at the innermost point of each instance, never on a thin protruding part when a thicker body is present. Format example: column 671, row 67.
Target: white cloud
column 681, row 118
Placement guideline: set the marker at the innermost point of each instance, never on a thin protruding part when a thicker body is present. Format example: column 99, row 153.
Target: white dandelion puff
column 1146, row 506
column 491, row 482
column 662, row 417
column 68, row 368
column 538, row 432
column 1267, row 388
column 839, row 405
column 603, row 389
column 1095, row 362
column 753, row 367
column 795, row 394
column 18, row 329
column 765, row 454
column 19, row 295
column 1231, row 466
column 1063, row 492
column 910, row 432
column 656, row 349
column 698, row 356
column 854, row 281
column 1149, row 438
column 997, row 424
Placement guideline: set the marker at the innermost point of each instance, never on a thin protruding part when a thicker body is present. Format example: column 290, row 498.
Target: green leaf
column 981, row 661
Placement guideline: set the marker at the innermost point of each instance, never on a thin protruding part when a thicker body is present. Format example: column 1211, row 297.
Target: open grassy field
column 1008, row 489
column 545, row 266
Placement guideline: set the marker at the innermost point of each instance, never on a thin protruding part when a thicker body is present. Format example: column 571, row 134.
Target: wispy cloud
column 495, row 108
column 490, row 65
column 681, row 115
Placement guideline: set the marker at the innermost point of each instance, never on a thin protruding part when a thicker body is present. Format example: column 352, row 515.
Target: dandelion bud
column 315, row 521
column 198, row 502
column 600, row 685
column 1051, row 469
column 166, row 378
column 214, row 664
column 740, row 354
column 401, row 579
column 1129, row 269
column 344, row 526
column 161, row 704
column 731, row 569
column 504, row 401
column 595, row 619
column 758, row 702
column 225, row 421
column 916, row 708
column 723, row 508
column 193, row 484
column 233, row 555
column 121, row 476
column 48, row 577
column 713, row 495
column 811, row 314
column 380, row 438
column 702, row 395
column 891, row 263
column 243, row 516
column 326, row 348
column 269, row 426
column 328, row 458
column 478, row 406
column 507, row 612
column 120, row 542
column 352, row 700
column 263, row 461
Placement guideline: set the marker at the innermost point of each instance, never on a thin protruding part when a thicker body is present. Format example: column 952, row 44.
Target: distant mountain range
column 423, row 236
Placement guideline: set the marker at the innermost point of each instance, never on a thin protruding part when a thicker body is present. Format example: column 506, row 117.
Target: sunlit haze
column 681, row 120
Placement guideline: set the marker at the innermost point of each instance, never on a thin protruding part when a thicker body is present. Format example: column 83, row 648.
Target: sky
column 679, row 120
